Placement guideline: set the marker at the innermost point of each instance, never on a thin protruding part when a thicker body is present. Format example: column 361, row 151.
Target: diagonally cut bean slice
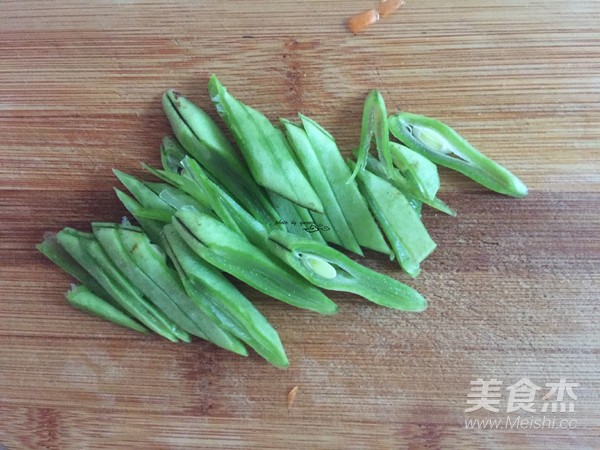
column 412, row 193
column 309, row 160
column 87, row 252
column 151, row 226
column 171, row 153
column 108, row 236
column 441, row 144
column 204, row 141
column 400, row 223
column 146, row 268
column 50, row 248
column 329, row 269
column 220, row 298
column 351, row 202
column 374, row 123
column 142, row 193
column 82, row 298
column 182, row 182
column 232, row 253
column 264, row 148
column 417, row 169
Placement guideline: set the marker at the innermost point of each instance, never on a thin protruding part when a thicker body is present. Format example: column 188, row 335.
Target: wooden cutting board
column 513, row 287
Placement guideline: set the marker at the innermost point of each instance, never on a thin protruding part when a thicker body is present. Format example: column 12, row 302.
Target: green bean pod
column 145, row 266
column 444, row 146
column 84, row 299
column 329, row 269
column 217, row 244
column 220, row 299
column 307, row 155
column 264, row 148
column 409, row 189
column 398, row 219
column 351, row 202
column 374, row 123
column 416, row 168
column 204, row 141
column 178, row 180
column 171, row 153
column 50, row 248
column 88, row 252
column 151, row 226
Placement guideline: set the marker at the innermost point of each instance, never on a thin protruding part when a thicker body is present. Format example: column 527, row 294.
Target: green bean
column 417, row 169
column 151, row 226
column 264, row 148
column 50, row 248
column 220, row 299
column 441, row 144
column 329, row 269
column 232, row 253
column 307, row 155
column 228, row 210
column 175, row 197
column 205, row 142
column 374, row 122
column 182, row 182
column 143, row 194
column 87, row 252
column 108, row 236
column 145, row 266
column 84, row 299
column 400, row 223
column 351, row 202
column 171, row 153
column 295, row 217
column 409, row 189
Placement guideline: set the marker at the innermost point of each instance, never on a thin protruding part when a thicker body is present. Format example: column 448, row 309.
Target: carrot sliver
column 359, row 22
column 388, row 7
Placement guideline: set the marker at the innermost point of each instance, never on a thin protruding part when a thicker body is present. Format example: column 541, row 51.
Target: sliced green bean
column 417, row 169
column 264, row 148
column 220, row 299
column 444, row 146
column 177, row 198
column 409, row 189
column 84, row 299
column 143, row 194
column 351, row 202
column 203, row 140
column 50, row 248
column 229, row 211
column 145, row 266
column 171, row 153
column 307, row 155
column 400, row 223
column 296, row 219
column 231, row 253
column 109, row 238
column 374, row 122
column 151, row 226
column 181, row 181
column 329, row 269
column 87, row 252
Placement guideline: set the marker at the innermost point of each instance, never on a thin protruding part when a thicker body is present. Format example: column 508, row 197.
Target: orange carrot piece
column 387, row 7
column 359, row 22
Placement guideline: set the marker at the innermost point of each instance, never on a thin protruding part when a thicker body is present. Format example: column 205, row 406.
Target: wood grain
column 513, row 286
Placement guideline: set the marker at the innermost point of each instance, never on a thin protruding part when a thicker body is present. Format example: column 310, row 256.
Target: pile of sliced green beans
column 264, row 211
